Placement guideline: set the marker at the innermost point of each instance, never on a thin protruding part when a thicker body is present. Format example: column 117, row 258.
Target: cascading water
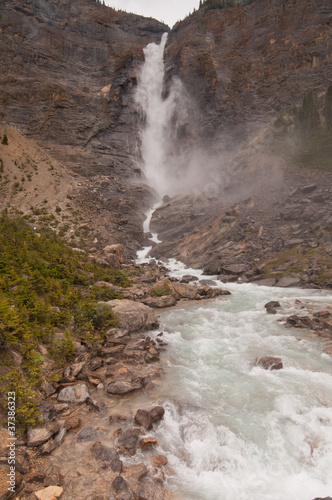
column 156, row 111
column 233, row 431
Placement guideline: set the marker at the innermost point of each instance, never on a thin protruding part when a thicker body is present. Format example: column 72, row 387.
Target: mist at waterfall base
column 232, row 430
column 175, row 158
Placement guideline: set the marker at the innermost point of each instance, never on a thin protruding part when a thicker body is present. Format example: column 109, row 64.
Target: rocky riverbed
column 96, row 439
column 104, row 407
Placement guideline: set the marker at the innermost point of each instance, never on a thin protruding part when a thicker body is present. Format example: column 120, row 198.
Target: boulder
column 121, row 486
column 234, row 269
column 39, row 435
column 208, row 282
column 95, row 363
column 103, row 453
column 87, row 434
column 49, row 493
column 184, row 291
column 135, row 473
column 269, row 363
column 48, row 388
column 22, row 461
column 272, row 306
column 148, row 443
column 133, row 316
column 114, row 255
column 160, row 302
column 74, row 394
column 95, row 405
column 116, row 465
column 288, row 281
column 188, row 277
column 266, row 282
column 128, row 442
column 143, row 418
column 227, row 278
column 156, row 413
column 48, row 447
column 122, row 388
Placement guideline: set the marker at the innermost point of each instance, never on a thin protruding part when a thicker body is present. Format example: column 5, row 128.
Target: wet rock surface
column 269, row 363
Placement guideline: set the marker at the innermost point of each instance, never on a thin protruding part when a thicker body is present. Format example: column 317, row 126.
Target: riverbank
column 89, row 435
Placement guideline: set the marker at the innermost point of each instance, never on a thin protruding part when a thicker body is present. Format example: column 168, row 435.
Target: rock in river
column 122, row 387
column 269, row 363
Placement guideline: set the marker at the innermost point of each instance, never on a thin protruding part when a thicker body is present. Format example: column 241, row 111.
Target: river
column 232, row 429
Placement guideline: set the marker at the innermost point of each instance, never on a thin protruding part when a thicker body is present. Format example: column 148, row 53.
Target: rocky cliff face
column 69, row 68
column 246, row 63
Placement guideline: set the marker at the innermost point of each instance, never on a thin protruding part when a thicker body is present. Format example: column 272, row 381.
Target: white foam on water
column 233, row 430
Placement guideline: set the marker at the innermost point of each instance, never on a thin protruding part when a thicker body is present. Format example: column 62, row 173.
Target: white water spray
column 169, row 168
column 155, row 108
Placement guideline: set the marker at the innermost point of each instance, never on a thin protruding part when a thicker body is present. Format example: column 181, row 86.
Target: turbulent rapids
column 233, row 430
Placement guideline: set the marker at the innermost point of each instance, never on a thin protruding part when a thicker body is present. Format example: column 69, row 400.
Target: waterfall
column 155, row 110
column 166, row 166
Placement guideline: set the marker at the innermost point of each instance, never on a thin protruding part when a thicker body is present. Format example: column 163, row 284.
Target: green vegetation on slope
column 46, row 297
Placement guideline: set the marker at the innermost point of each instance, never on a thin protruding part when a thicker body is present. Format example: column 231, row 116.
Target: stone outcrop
column 74, row 394
column 133, row 316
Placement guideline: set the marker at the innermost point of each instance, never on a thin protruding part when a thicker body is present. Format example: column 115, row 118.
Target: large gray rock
column 288, row 281
column 234, row 269
column 160, row 302
column 133, row 316
column 74, row 394
column 39, row 435
column 87, row 434
column 103, row 453
column 122, row 388
column 266, row 282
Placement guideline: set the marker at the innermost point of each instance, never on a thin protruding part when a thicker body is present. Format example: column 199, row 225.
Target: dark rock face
column 239, row 60
column 68, row 80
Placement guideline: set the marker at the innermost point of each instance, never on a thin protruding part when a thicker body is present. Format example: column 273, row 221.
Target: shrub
column 161, row 290
column 26, row 400
column 4, row 140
